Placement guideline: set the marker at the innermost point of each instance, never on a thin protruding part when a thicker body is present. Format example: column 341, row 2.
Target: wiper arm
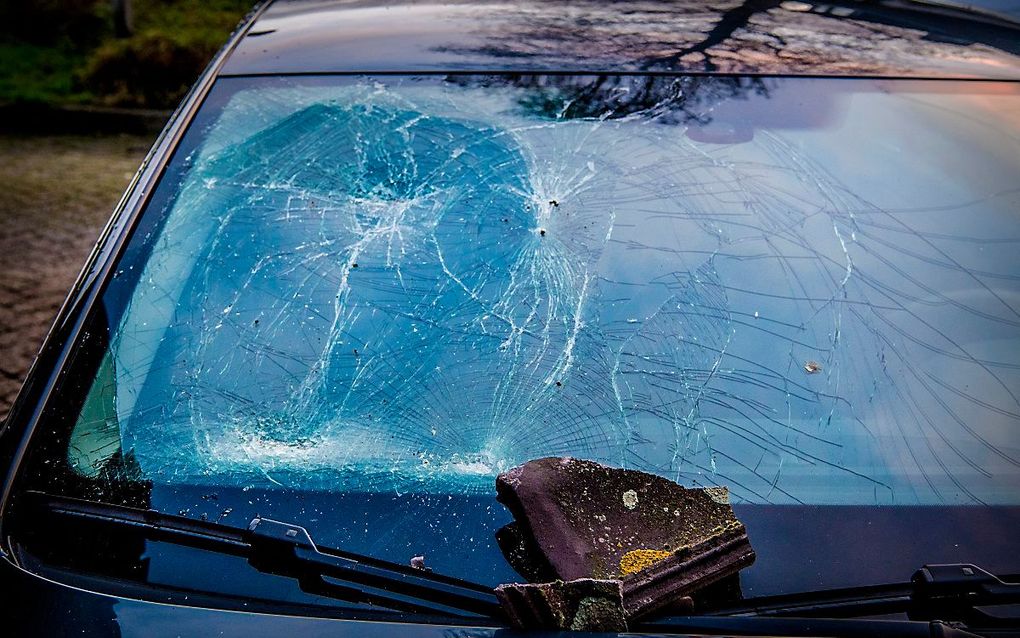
column 960, row 591
column 936, row 598
column 286, row 549
column 955, row 592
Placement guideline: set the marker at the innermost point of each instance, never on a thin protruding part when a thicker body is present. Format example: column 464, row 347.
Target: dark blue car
column 385, row 252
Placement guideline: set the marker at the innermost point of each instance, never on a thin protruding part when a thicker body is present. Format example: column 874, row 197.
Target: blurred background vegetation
column 65, row 155
column 123, row 53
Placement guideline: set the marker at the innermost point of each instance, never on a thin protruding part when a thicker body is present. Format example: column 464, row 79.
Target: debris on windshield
column 578, row 519
column 812, row 367
column 585, row 604
column 418, row 562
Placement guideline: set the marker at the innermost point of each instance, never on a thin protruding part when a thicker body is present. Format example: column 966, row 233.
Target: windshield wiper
column 286, row 549
column 936, row 593
column 940, row 601
column 956, row 592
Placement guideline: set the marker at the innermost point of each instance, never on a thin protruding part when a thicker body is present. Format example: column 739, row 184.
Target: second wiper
column 287, row 549
column 954, row 592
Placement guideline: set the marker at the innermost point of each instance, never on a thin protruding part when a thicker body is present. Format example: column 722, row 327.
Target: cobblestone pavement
column 56, row 193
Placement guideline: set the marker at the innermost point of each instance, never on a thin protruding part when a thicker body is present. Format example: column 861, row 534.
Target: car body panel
column 319, row 37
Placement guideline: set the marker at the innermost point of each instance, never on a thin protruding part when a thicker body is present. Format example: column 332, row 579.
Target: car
column 383, row 253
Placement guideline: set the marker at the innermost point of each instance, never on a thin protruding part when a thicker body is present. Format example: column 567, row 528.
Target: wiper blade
column 956, row 592
column 286, row 549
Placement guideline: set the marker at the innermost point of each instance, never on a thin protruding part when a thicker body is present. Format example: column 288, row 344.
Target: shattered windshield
column 806, row 290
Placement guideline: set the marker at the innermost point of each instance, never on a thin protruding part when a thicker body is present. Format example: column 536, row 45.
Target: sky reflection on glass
column 806, row 290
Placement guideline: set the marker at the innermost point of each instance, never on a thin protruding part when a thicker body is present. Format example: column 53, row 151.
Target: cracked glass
column 807, row 290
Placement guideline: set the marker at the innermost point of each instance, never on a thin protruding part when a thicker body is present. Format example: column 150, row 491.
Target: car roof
column 774, row 37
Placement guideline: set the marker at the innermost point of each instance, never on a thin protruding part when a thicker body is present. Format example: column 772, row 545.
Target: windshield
column 383, row 291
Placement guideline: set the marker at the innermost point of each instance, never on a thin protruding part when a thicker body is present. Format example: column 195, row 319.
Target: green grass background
column 65, row 51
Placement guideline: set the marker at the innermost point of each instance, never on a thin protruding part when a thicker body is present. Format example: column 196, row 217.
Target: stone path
column 56, row 193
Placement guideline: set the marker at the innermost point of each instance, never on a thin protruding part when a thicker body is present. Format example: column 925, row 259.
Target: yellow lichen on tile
column 635, row 560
